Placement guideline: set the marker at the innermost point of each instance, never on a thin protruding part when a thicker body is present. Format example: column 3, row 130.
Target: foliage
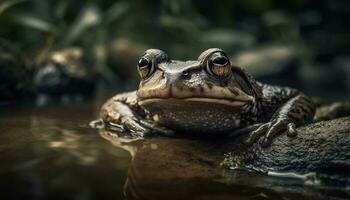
column 318, row 31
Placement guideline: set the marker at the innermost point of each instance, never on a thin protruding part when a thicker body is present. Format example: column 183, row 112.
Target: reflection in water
column 49, row 153
column 176, row 168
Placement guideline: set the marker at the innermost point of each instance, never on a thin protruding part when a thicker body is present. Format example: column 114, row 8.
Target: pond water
column 51, row 153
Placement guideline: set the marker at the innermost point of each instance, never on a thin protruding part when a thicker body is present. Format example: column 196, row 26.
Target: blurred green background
column 67, row 50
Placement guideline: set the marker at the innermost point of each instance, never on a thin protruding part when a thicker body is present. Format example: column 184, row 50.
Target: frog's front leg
column 296, row 110
column 122, row 111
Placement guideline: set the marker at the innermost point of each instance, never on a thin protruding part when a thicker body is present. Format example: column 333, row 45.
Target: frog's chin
column 198, row 100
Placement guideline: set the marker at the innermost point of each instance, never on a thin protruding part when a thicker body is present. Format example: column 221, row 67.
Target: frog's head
column 209, row 79
column 207, row 94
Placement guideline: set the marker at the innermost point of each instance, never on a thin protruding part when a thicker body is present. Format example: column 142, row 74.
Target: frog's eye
column 218, row 64
column 144, row 67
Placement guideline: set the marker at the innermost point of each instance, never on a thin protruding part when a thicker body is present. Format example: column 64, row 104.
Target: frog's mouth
column 205, row 100
column 233, row 97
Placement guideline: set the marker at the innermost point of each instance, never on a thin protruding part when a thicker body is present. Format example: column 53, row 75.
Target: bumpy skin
column 280, row 109
column 267, row 110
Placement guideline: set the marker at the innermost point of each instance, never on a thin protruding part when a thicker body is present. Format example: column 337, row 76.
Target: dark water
column 52, row 153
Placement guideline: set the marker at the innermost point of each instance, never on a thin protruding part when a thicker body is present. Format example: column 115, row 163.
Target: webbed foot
column 270, row 130
column 140, row 127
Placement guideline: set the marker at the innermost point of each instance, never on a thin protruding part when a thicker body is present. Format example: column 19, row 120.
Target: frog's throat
column 232, row 103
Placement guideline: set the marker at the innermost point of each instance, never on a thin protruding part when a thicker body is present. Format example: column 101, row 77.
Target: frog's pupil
column 220, row 60
column 143, row 62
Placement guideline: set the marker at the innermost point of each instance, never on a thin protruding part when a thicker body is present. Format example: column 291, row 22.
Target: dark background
column 299, row 43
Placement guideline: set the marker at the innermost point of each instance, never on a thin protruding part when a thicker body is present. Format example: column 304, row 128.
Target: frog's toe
column 156, row 128
column 276, row 127
column 138, row 127
column 291, row 130
column 256, row 134
column 134, row 125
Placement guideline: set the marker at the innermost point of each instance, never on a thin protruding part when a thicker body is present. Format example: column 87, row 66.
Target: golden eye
column 218, row 64
column 144, row 67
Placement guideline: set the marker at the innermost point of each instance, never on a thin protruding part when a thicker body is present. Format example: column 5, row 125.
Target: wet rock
column 64, row 72
column 332, row 111
column 321, row 147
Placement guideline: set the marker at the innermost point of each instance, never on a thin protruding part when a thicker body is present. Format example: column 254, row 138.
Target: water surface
column 51, row 153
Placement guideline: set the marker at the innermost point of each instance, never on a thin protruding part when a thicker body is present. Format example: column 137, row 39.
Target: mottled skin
column 208, row 96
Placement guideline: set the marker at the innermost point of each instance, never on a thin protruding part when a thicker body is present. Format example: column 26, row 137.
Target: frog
column 207, row 96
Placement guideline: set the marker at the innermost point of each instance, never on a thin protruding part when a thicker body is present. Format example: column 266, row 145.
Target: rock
column 64, row 72
column 332, row 111
column 321, row 147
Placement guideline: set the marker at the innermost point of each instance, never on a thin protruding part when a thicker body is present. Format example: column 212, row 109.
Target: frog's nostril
column 185, row 73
